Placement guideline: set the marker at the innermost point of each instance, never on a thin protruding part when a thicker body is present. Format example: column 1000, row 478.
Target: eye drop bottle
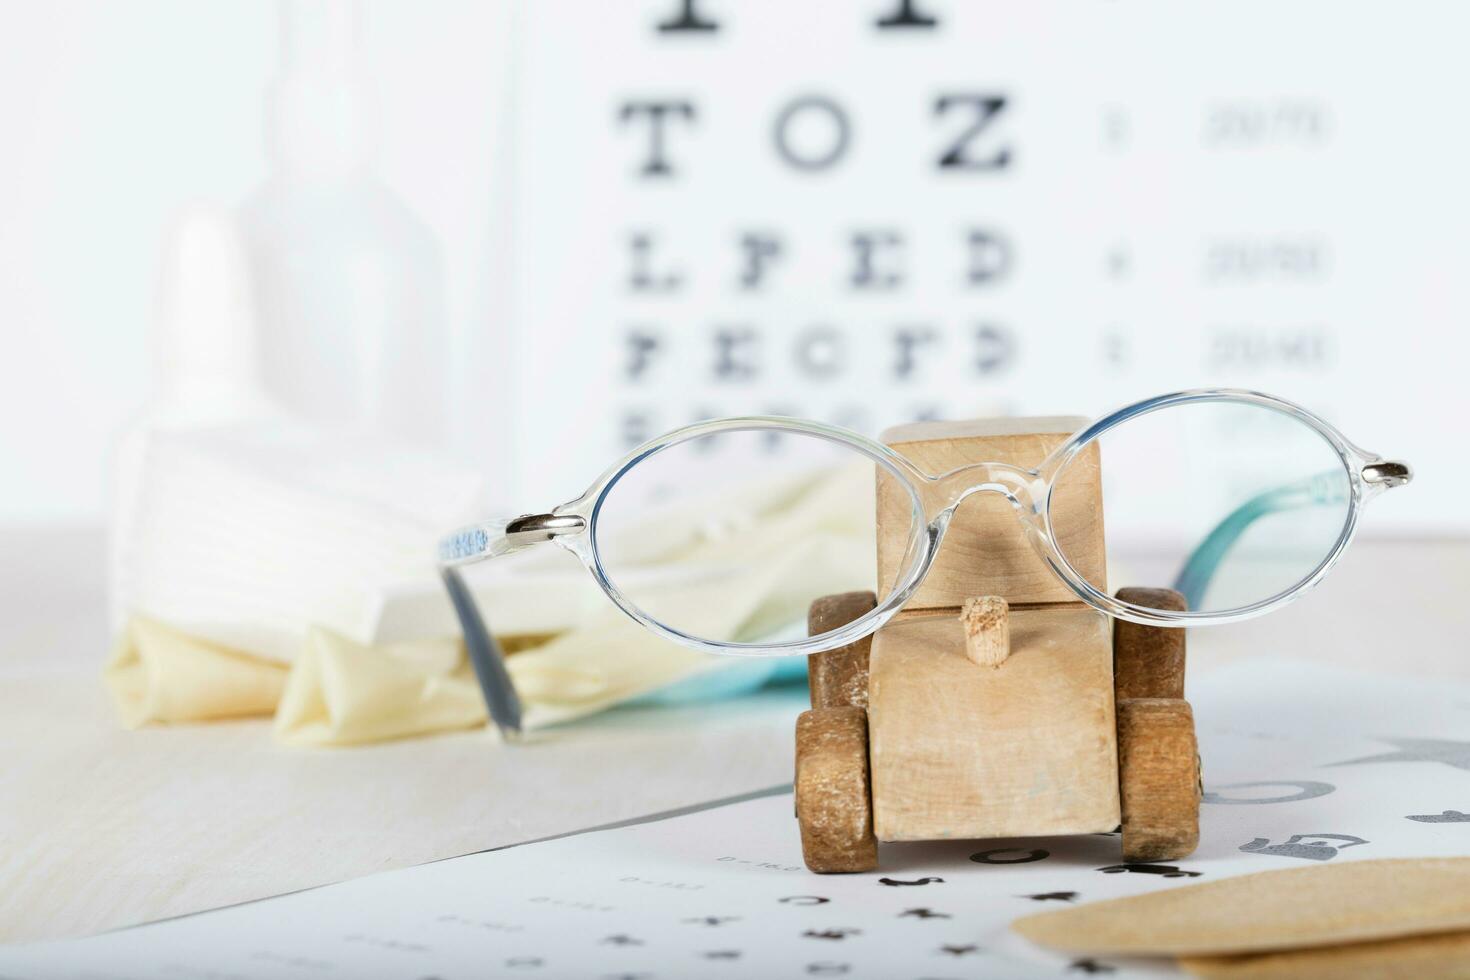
column 206, row 374
column 348, row 281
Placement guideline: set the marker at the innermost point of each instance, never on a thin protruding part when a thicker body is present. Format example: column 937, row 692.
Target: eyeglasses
column 718, row 535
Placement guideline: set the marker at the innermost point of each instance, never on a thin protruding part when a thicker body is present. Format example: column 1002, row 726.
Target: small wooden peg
column 987, row 622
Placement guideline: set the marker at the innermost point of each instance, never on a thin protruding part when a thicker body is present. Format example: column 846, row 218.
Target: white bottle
column 348, row 282
column 206, row 372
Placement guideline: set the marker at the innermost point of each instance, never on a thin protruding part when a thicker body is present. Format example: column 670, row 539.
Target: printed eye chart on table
column 876, row 211
column 1292, row 779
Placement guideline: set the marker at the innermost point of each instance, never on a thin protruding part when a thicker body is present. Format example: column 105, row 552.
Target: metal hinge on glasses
column 532, row 528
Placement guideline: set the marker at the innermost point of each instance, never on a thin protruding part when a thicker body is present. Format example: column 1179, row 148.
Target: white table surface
column 102, row 827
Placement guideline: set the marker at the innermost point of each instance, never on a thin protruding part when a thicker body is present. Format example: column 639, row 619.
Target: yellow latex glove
column 344, row 693
column 157, row 674
column 341, row 692
column 806, row 540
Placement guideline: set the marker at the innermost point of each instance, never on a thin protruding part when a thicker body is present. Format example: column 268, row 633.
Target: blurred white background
column 117, row 115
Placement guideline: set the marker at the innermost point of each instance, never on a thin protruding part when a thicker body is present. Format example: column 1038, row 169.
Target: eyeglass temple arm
column 501, row 701
column 1199, row 568
column 1194, row 577
column 477, row 543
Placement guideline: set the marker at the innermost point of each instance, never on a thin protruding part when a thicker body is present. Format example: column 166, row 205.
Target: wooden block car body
column 911, row 739
column 1031, row 749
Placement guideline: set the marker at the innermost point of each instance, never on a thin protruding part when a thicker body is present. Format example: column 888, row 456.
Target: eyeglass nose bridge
column 1021, row 487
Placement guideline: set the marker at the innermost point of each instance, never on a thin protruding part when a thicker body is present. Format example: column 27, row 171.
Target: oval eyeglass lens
column 729, row 537
column 1231, row 503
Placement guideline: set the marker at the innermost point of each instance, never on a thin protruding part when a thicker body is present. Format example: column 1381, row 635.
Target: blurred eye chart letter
column 877, row 211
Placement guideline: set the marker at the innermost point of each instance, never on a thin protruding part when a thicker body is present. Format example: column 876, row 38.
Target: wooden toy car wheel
column 1148, row 661
column 839, row 677
column 833, row 804
column 1158, row 778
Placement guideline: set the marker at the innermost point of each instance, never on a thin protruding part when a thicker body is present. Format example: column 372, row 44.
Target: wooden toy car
column 1028, row 717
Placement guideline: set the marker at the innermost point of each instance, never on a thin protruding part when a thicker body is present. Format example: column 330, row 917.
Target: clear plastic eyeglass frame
column 933, row 497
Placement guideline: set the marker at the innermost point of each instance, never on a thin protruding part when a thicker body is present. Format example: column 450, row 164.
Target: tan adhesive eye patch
column 1445, row 956
column 1325, row 905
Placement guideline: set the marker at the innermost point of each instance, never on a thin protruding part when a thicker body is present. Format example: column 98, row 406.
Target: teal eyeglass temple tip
column 1200, row 567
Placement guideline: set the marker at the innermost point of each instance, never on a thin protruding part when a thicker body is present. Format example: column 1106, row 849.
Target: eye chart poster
column 875, row 211
column 1291, row 781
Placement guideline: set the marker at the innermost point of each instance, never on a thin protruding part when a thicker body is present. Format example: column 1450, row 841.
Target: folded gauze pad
column 1323, row 905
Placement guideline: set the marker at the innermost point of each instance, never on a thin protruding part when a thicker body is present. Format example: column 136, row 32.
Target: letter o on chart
column 812, row 133
column 819, row 352
column 1269, row 792
column 1010, row 855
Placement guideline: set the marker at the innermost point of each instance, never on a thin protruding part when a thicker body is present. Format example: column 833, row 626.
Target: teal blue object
column 1193, row 580
column 739, row 678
